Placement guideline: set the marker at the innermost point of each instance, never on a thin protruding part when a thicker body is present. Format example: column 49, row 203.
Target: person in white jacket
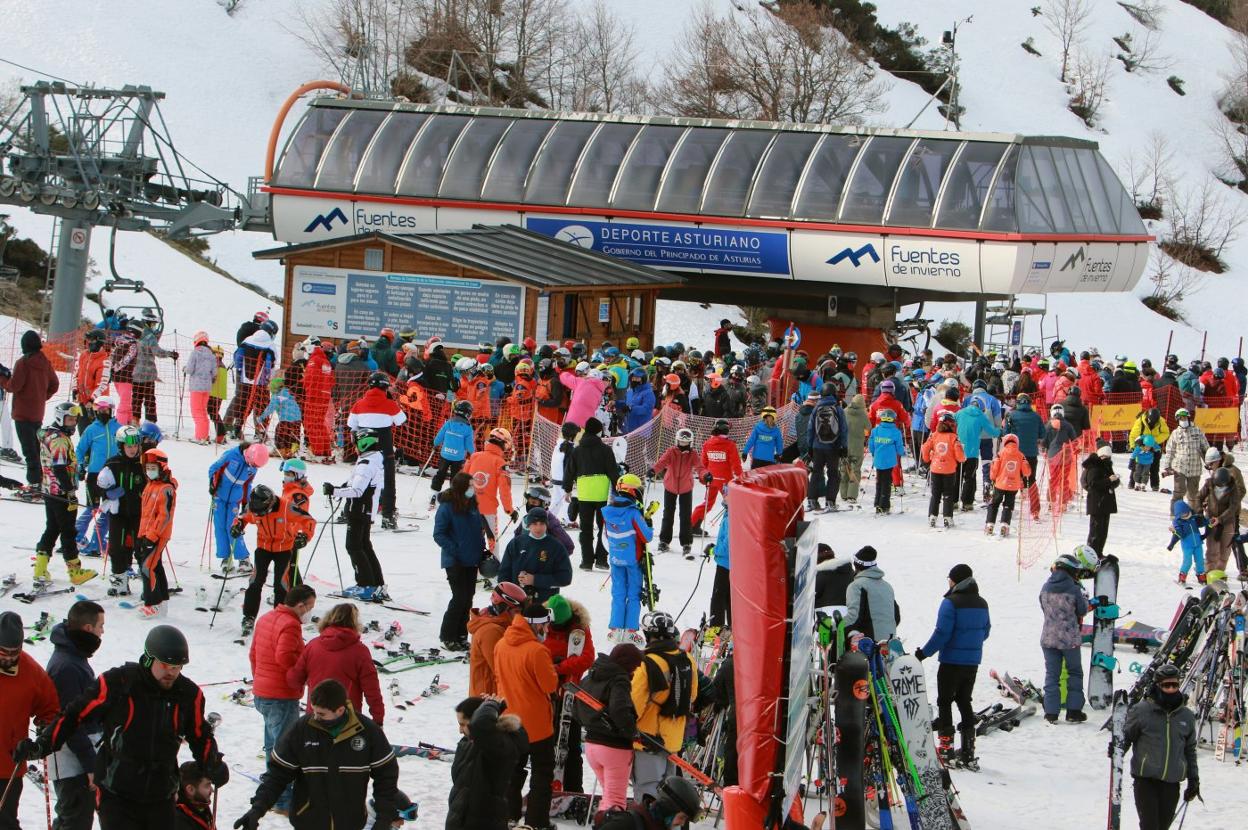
column 558, row 465
column 363, row 494
column 201, row 372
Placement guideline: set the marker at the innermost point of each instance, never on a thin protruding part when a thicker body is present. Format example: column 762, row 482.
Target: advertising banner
column 1115, row 417
column 1221, row 421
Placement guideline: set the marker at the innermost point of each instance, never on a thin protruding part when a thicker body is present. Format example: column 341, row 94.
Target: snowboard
column 1104, row 615
column 914, row 714
column 1140, row 636
column 852, row 692
column 1117, row 751
column 576, row 645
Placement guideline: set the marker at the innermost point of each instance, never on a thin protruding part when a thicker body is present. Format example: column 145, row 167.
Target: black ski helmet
column 721, row 427
column 261, row 500
column 463, row 409
column 659, row 625
column 166, row 644
column 680, row 795
column 379, row 380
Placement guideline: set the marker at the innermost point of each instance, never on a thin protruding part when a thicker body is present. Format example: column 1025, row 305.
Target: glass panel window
column 1048, row 184
column 914, row 200
column 1005, row 204
column 1106, row 213
column 966, row 187
column 511, row 163
column 1129, row 220
column 873, row 179
column 825, row 177
column 686, row 176
column 298, row 165
column 1073, row 190
column 780, row 173
column 342, row 159
column 638, row 182
column 390, row 147
column 726, row 192
column 423, row 172
column 548, row 179
column 601, row 161
column 470, row 160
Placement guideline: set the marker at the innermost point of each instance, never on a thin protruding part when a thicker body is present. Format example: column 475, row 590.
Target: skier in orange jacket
column 488, row 468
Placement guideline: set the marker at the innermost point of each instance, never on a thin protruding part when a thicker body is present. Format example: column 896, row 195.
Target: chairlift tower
column 93, row 157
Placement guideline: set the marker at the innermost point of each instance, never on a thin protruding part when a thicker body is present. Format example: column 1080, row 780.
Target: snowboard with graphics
column 914, row 712
column 851, row 738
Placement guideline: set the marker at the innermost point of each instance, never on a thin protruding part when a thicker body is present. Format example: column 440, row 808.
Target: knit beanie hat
column 593, row 426
column 865, row 557
column 960, row 572
column 627, row 656
column 535, row 613
column 31, row 342
column 560, row 610
column 11, row 632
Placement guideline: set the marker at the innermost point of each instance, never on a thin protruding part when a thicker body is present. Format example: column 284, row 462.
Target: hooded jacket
column 254, row 359
column 832, row 580
column 229, row 477
column 490, row 479
column 1224, row 508
column 609, row 683
column 857, row 425
column 88, row 376
column 526, row 679
column 486, row 629
column 455, row 438
column 974, row 424
column 586, row 398
column 943, row 451
column 545, row 558
column 1160, row 430
column 338, row 653
column 145, row 358
column 592, row 468
column 461, row 536
column 495, row 743
column 678, row 468
column 276, row 646
column 639, row 405
column 201, row 369
column 765, row 442
column 1165, row 742
column 886, row 446
column 1076, row 414
column 1010, row 467
column 72, row 675
column 1064, row 604
column 871, row 606
column 33, row 381
column 1096, row 480
column 571, row 645
column 962, row 626
column 1027, row 424
column 829, row 404
column 720, row 458
column 626, row 531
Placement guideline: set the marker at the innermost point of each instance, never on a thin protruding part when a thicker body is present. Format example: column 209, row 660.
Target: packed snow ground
column 1036, row 776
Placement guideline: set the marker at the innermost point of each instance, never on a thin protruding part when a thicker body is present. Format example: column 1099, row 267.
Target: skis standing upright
column 1117, row 751
column 852, row 692
column 1105, row 615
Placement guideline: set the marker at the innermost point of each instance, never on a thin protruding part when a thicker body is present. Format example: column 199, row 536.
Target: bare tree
column 696, row 79
column 1088, row 86
column 599, row 72
column 1146, row 12
column 361, row 41
column 1144, row 53
column 1067, row 20
column 1232, row 141
column 1148, row 177
column 1173, row 282
column 1203, row 222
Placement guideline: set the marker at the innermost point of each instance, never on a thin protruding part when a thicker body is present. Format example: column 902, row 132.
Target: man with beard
column 27, row 692
column 72, row 768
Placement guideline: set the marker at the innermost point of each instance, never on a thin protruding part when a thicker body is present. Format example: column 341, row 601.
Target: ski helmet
column 269, row 326
column 489, row 566
column 262, row 500
column 1167, row 671
column 684, row 437
column 629, row 484
column 1086, row 558
column 538, row 493
column 166, row 644
column 887, row 415
column 150, row 434
column 257, row 455
column 64, row 410
column 502, row 437
column 680, row 795
column 128, row 435
column 659, row 625
column 365, row 439
column 297, row 466
column 509, row 594
column 672, row 379
column 379, row 380
column 767, row 412
column 463, row 409
column 1057, row 411
column 721, row 427
column 1181, row 413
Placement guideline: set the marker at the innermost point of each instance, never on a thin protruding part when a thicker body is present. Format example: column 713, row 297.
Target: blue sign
column 856, row 256
column 675, row 246
column 1016, row 333
column 326, row 220
column 463, row 312
column 319, row 288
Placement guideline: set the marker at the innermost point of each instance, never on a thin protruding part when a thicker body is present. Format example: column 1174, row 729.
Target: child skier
column 229, row 484
column 1142, row 456
column 722, row 464
column 559, row 504
column 887, row 447
column 1185, row 530
column 677, row 468
column 539, row 496
column 943, row 454
column 160, row 498
column 60, row 482
column 1009, row 471
column 97, row 444
column 289, row 418
column 490, row 479
column 363, row 494
column 627, row 531
column 456, row 441
column 766, row 442
column 121, row 482
column 282, row 529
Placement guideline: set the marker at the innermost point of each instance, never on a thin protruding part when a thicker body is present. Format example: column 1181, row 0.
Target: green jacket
column 859, row 424
column 220, row 386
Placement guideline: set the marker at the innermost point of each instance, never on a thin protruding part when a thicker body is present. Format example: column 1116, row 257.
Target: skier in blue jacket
column 97, row 444
column 973, row 424
column 638, row 403
column 766, row 442
column 626, row 530
column 1185, row 530
column 229, row 484
column 1025, row 423
column 456, row 443
column 887, row 446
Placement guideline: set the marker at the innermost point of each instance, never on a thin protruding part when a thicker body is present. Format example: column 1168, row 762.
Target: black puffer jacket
column 610, row 683
column 481, row 772
column 1096, row 480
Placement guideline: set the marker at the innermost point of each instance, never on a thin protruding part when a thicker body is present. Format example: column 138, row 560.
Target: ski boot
column 948, row 523
column 944, row 749
column 1005, row 530
column 380, row 594
column 1076, row 716
column 244, row 566
column 9, row 454
column 1182, row 580
column 153, row 612
column 931, row 521
column 636, row 638
column 614, row 635
column 966, row 755
column 812, row 506
column 687, row 551
column 1050, row 718
column 249, row 624
column 433, row 501
column 227, row 565
column 31, row 492
column 967, row 508
column 458, row 645
column 664, row 547
column 78, row 574
column 1202, row 579
column 118, row 585
column 389, row 522
column 988, row 529
column 881, row 511
column 42, row 577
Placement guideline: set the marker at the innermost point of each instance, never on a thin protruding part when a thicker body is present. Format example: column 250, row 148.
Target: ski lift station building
column 834, row 227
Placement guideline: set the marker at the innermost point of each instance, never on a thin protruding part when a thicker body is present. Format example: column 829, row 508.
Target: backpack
column 827, row 425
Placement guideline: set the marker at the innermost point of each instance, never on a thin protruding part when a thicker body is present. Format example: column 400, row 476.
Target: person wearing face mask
column 28, row 693
column 535, row 560
column 526, row 679
column 194, row 804
column 72, row 768
column 1184, row 458
column 160, row 498
column 1219, row 500
column 121, row 481
column 1161, row 732
column 96, row 445
column 333, row 736
column 275, row 649
column 638, row 402
column 148, row 710
column 282, row 530
column 89, row 373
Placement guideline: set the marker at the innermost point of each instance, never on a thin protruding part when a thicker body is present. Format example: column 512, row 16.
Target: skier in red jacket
column 571, row 647
column 722, row 461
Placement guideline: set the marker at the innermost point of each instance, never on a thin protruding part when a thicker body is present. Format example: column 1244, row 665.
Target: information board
column 343, row 303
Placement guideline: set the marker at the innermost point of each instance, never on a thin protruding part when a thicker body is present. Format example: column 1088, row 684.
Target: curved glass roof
column 729, row 169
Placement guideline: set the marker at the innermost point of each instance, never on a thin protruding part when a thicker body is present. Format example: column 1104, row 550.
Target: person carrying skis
column 71, row 768
column 96, row 444
column 492, row 481
column 283, row 528
column 362, row 493
column 148, row 709
column 491, row 746
column 887, row 446
column 377, row 411
column 1064, row 605
column 526, row 679
column 627, row 530
column 1100, row 481
column 535, row 560
column 60, row 482
column 962, row 625
column 1184, row 458
column 1010, row 472
column 195, row 795
column 487, row 627
column 28, row 693
column 333, row 736
column 1162, row 736
column 571, row 646
column 155, row 529
column 664, row 688
column 722, row 464
column 677, row 467
column 829, row 437
column 1185, row 530
column 455, row 443
column 943, row 454
column 229, row 484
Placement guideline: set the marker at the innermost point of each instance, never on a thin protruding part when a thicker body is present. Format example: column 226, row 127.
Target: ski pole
column 165, row 553
column 12, row 777
column 203, row 549
column 333, row 540
column 216, row 609
column 329, row 521
column 47, row 792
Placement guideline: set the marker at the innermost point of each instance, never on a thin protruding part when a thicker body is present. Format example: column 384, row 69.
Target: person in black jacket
column 122, row 481
column 250, row 327
column 592, row 468
column 832, row 578
column 1076, row 412
column 147, row 709
column 72, row 768
column 491, row 746
column 609, row 733
column 1100, row 480
column 332, row 736
column 194, row 805
column 437, row 376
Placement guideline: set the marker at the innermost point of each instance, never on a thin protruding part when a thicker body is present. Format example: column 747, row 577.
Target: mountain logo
column 577, row 235
column 326, row 220
column 1075, row 258
column 856, row 256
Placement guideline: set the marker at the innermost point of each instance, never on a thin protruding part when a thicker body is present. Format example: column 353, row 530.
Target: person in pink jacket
column 677, row 468
column 587, row 388
column 337, row 653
